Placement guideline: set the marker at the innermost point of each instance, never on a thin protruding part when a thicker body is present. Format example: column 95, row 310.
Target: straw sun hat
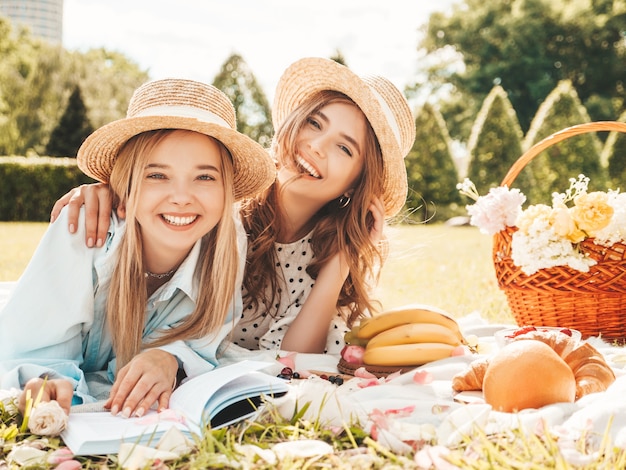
column 180, row 104
column 382, row 103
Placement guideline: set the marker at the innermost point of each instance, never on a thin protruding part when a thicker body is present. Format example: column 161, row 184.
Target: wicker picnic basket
column 592, row 302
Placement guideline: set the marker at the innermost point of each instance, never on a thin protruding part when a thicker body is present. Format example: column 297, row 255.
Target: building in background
column 44, row 18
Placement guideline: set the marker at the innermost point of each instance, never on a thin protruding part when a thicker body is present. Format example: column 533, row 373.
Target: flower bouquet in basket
column 561, row 264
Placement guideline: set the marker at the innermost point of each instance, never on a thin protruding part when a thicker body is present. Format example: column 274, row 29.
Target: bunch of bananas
column 407, row 336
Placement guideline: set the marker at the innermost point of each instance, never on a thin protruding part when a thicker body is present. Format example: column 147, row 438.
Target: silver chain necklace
column 159, row 276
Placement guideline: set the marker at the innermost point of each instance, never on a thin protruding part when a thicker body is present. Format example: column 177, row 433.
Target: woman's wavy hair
column 336, row 227
column 216, row 270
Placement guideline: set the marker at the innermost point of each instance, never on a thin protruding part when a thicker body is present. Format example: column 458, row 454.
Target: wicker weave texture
column 592, row 302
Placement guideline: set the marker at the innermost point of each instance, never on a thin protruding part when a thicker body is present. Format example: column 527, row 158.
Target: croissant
column 591, row 372
column 472, row 378
column 562, row 343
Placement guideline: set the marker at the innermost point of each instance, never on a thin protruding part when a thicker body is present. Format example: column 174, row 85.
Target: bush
column 29, row 186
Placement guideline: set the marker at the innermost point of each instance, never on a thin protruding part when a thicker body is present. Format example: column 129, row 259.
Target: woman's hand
column 377, row 209
column 60, row 390
column 148, row 378
column 98, row 205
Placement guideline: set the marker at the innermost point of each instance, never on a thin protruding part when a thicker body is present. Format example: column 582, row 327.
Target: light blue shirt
column 54, row 320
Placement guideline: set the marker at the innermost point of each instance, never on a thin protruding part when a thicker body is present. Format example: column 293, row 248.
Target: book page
column 203, row 396
column 96, row 433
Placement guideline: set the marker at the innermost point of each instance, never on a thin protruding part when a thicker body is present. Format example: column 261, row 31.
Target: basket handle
column 555, row 138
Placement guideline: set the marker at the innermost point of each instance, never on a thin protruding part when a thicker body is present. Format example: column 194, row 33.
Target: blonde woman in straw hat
column 316, row 236
column 117, row 322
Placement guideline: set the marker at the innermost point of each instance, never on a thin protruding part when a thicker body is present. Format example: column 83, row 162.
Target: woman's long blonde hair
column 335, row 228
column 216, row 270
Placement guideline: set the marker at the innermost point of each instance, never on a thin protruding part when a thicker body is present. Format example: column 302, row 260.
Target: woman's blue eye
column 346, row 150
column 156, row 176
column 313, row 122
column 206, row 178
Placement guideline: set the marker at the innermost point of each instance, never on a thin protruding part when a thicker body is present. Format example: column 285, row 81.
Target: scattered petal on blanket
column 392, row 442
column 27, row 456
column 69, row 465
column 252, row 452
column 422, row 377
column 288, row 360
column 434, row 457
column 133, row 456
column 60, row 455
column 363, row 373
column 303, row 448
column 175, row 441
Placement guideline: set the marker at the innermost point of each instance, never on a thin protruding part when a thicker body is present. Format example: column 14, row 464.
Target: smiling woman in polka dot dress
column 315, row 238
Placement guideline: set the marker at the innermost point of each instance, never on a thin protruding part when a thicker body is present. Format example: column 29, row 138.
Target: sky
column 193, row 38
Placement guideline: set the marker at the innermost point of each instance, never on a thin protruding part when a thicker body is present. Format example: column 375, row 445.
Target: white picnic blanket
column 420, row 404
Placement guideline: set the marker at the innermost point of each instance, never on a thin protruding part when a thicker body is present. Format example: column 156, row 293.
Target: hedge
column 29, row 186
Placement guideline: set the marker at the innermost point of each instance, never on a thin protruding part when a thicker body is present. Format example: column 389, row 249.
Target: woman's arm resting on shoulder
column 148, row 378
column 98, row 205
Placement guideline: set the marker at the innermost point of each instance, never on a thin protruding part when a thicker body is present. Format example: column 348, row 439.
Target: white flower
column 495, row 211
column 47, row 419
column 541, row 248
column 550, row 236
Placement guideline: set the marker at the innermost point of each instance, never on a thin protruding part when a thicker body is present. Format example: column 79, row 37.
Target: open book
column 217, row 398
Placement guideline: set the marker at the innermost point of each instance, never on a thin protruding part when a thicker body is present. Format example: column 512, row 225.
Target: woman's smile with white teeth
column 308, row 167
column 176, row 220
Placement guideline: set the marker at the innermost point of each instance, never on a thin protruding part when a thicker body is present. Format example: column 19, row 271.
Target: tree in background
column 32, row 77
column 527, row 47
column 553, row 167
column 614, row 157
column 36, row 79
column 495, row 143
column 107, row 81
column 431, row 171
column 72, row 129
column 253, row 111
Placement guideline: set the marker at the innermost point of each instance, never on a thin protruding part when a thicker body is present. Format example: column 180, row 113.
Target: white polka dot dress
column 262, row 329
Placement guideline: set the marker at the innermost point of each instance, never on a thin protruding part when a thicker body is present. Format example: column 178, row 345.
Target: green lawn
column 448, row 267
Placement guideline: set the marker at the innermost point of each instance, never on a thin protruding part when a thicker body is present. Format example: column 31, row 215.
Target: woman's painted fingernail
column 115, row 410
column 126, row 412
column 99, row 243
column 90, row 242
column 139, row 413
column 72, row 228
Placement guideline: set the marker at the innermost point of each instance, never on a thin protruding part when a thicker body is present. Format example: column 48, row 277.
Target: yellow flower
column 564, row 225
column 592, row 212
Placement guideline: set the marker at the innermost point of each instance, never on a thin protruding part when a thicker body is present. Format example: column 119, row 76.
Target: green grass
column 448, row 267
column 18, row 241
